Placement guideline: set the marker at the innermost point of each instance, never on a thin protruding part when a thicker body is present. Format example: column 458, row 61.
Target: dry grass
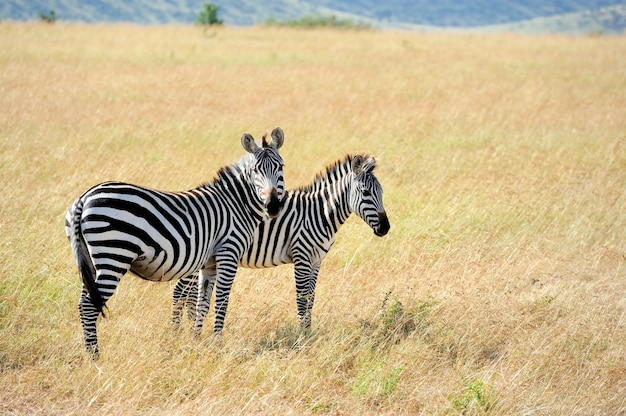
column 499, row 290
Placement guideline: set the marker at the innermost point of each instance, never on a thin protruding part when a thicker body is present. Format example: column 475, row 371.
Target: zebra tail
column 86, row 268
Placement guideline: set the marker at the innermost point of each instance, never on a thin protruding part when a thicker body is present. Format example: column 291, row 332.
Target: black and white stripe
column 305, row 230
column 116, row 227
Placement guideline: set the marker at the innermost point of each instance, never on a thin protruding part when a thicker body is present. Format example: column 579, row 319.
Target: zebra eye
column 366, row 192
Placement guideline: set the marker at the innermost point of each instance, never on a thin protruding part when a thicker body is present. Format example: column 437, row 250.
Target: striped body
column 116, row 227
column 305, row 230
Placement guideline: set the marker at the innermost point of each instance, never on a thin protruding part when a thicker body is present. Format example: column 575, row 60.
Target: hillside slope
column 606, row 20
column 452, row 13
column 560, row 16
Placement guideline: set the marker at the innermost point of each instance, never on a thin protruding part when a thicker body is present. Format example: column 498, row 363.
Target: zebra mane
column 229, row 171
column 336, row 171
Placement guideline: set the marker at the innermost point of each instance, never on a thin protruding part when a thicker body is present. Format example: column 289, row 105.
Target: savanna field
column 499, row 290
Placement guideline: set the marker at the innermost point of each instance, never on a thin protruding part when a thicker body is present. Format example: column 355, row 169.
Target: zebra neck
column 334, row 199
column 328, row 195
column 235, row 187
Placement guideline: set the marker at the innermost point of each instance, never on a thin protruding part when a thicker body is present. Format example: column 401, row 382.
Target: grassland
column 500, row 289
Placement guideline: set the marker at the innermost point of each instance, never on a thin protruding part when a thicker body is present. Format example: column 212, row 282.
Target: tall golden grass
column 500, row 289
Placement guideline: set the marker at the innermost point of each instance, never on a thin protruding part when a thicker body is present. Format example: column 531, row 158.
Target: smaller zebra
column 303, row 232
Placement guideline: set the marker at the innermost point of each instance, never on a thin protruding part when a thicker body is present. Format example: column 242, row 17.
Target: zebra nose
column 383, row 224
column 273, row 206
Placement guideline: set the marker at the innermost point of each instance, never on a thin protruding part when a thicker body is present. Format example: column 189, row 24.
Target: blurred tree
column 208, row 15
column 48, row 18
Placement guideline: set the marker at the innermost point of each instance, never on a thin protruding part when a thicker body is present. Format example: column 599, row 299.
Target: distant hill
column 606, row 20
column 462, row 13
column 552, row 16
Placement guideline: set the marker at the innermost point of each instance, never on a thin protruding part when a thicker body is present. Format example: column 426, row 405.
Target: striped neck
column 331, row 189
column 235, row 182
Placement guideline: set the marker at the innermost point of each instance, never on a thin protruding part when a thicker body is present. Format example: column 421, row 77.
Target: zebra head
column 267, row 169
column 366, row 195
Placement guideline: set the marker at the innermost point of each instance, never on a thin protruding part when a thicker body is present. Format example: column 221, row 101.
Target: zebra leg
column 184, row 294
column 106, row 285
column 310, row 298
column 306, row 277
column 180, row 297
column 206, row 281
column 192, row 297
column 88, row 317
column 226, row 271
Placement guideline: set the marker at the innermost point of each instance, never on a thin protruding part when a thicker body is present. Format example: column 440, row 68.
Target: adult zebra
column 115, row 227
column 303, row 233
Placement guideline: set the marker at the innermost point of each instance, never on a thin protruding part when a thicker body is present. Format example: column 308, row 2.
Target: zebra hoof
column 93, row 351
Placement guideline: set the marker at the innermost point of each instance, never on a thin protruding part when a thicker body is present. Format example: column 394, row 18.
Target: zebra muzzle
column 273, row 205
column 383, row 224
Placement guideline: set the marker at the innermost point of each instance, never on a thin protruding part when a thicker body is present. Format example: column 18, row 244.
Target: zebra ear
column 247, row 141
column 369, row 164
column 278, row 138
column 357, row 164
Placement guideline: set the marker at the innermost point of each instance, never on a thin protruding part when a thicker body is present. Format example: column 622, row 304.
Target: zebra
column 117, row 227
column 303, row 232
